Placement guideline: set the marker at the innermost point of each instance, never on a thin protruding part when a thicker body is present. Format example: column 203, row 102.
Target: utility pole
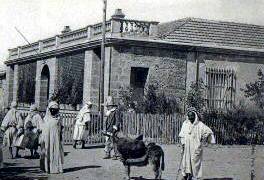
column 102, row 62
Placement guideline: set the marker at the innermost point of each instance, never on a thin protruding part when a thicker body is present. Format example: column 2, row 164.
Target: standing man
column 194, row 134
column 33, row 129
column 80, row 127
column 112, row 125
column 54, row 154
column 13, row 126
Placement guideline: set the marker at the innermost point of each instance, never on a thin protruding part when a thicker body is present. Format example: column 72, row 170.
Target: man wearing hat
column 194, row 134
column 80, row 126
column 112, row 125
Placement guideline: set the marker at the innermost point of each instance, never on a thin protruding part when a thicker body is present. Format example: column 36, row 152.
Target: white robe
column 33, row 135
column 192, row 136
column 12, row 122
column 82, row 118
column 54, row 154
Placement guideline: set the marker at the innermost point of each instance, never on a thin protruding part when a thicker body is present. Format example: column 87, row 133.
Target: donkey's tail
column 162, row 160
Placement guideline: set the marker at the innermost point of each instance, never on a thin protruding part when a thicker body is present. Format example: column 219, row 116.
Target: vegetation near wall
column 154, row 101
column 70, row 79
column 239, row 124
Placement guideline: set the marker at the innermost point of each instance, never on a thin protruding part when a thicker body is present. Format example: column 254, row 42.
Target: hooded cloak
column 82, row 118
column 54, row 154
column 192, row 137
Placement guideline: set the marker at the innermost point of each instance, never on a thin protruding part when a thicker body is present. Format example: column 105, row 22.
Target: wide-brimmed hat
column 110, row 101
column 88, row 103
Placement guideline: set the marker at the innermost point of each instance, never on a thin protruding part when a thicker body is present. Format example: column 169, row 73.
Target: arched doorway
column 44, row 87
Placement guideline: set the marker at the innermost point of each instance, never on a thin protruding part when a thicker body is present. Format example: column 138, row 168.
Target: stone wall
column 167, row 68
column 245, row 68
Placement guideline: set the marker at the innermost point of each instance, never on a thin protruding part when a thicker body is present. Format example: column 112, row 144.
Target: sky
column 39, row 19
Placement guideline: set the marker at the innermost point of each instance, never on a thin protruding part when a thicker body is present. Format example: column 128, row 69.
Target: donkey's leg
column 156, row 168
column 127, row 171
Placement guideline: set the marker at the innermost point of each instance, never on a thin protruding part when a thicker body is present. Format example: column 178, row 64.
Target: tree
column 255, row 90
column 195, row 96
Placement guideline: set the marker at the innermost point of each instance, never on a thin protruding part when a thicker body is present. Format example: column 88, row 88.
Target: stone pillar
column 15, row 83
column 91, row 78
column 115, row 27
column 9, row 85
column 191, row 70
column 38, row 81
column 53, row 67
column 52, row 64
column 153, row 29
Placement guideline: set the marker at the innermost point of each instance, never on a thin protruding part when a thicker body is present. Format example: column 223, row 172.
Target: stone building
column 2, row 86
column 225, row 55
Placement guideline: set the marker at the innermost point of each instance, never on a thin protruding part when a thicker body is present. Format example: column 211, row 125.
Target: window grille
column 220, row 88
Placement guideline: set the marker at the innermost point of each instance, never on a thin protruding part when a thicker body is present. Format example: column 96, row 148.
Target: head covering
column 88, row 103
column 192, row 109
column 197, row 114
column 13, row 104
column 33, row 107
column 48, row 116
column 53, row 104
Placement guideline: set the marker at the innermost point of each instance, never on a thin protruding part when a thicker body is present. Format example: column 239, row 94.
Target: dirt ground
column 220, row 162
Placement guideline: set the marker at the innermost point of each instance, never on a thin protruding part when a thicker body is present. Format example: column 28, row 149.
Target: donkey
column 134, row 152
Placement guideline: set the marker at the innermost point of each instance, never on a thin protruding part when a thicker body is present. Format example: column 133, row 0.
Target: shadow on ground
column 79, row 168
column 225, row 178
column 141, row 178
column 22, row 173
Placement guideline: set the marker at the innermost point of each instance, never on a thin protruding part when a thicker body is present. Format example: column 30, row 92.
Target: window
column 138, row 79
column 220, row 88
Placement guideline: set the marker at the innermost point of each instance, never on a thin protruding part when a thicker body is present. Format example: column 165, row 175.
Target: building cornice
column 140, row 42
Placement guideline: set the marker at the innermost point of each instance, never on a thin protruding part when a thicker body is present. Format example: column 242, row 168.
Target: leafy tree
column 195, row 96
column 255, row 90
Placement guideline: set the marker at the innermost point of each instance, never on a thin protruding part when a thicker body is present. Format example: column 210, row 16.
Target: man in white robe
column 54, row 155
column 12, row 125
column 83, row 117
column 194, row 134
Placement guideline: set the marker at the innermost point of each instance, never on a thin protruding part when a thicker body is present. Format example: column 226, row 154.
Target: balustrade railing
column 119, row 26
column 135, row 27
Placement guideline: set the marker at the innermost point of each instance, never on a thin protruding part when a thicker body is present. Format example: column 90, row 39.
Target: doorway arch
column 44, row 87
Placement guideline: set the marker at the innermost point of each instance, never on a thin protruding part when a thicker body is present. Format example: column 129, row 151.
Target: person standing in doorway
column 80, row 127
column 12, row 125
column 112, row 125
column 194, row 135
column 54, row 154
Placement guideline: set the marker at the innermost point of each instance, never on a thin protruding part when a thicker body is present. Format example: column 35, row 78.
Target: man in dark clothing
column 112, row 125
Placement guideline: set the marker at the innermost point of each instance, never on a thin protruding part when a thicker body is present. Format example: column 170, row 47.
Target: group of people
column 34, row 132
column 47, row 133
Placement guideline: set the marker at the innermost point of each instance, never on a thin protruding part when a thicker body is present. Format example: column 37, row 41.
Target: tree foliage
column 154, row 101
column 70, row 86
column 255, row 90
column 26, row 83
column 195, row 96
